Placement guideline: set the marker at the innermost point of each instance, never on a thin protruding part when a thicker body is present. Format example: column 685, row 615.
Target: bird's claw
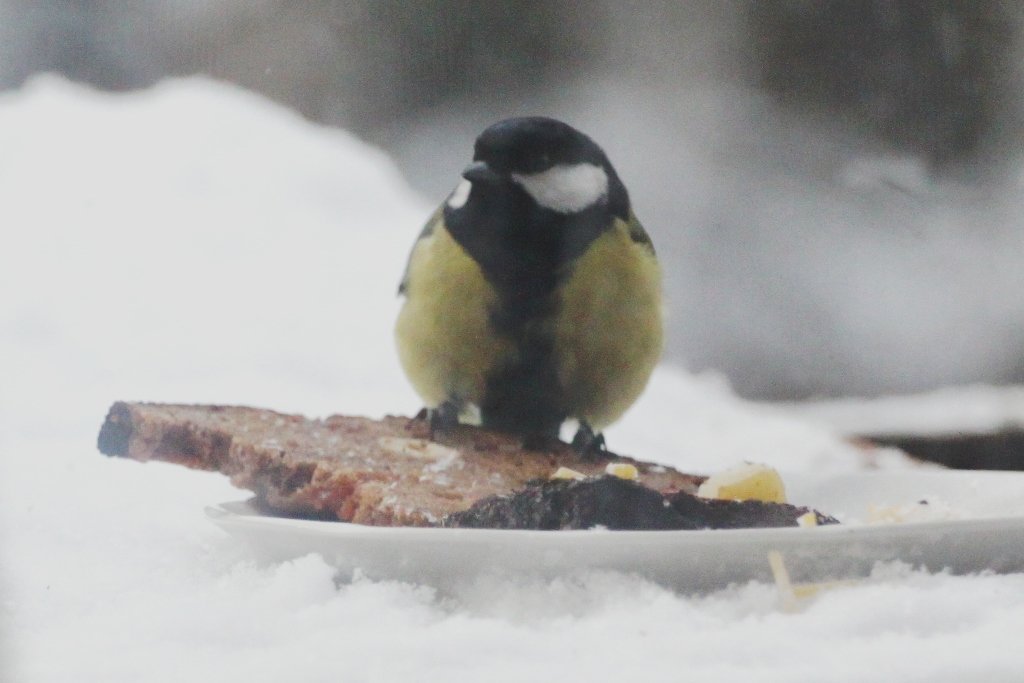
column 444, row 418
column 587, row 444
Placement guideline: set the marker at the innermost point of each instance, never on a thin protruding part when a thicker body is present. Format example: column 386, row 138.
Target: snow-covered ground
column 194, row 243
column 973, row 409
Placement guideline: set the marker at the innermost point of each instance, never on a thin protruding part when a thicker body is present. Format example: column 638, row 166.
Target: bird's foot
column 587, row 444
column 443, row 419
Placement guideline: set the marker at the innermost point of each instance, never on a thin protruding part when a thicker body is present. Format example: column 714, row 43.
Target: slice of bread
column 354, row 469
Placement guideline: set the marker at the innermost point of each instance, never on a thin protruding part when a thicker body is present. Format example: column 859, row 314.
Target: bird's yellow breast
column 445, row 341
column 608, row 333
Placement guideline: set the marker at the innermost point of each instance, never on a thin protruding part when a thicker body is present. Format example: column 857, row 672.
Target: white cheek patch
column 566, row 189
column 460, row 194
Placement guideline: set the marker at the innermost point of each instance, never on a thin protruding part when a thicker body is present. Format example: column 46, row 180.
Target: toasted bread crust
column 381, row 472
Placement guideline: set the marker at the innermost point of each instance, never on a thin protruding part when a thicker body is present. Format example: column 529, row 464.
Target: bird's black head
column 534, row 144
column 559, row 167
column 537, row 194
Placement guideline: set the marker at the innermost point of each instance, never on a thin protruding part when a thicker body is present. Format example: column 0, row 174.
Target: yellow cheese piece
column 622, row 470
column 748, row 481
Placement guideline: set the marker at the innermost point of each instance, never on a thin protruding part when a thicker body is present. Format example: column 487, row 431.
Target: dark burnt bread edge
column 185, row 444
column 116, row 432
column 619, row 504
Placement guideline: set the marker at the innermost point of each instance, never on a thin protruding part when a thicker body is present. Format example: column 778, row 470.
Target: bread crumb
column 438, row 457
column 568, row 473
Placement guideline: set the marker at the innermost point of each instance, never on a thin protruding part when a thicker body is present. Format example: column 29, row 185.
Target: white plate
column 991, row 537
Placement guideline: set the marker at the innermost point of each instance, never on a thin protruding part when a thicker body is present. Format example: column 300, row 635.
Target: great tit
column 533, row 294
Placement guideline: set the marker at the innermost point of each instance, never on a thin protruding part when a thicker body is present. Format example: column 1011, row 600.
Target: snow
column 976, row 409
column 196, row 243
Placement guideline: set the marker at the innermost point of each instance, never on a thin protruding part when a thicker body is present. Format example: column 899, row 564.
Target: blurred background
column 834, row 187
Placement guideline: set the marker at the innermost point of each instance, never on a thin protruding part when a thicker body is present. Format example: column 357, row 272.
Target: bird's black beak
column 480, row 172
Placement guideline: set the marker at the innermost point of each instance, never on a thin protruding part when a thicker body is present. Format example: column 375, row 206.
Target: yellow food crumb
column 567, row 473
column 807, row 519
column 791, row 593
column 748, row 481
column 622, row 470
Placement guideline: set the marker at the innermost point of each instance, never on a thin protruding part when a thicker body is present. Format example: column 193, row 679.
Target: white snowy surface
column 194, row 243
column 976, row 409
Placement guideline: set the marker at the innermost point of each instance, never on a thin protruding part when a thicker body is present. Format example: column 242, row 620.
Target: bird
column 532, row 295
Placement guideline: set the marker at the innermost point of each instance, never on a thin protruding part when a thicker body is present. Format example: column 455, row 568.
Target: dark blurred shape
column 344, row 63
column 931, row 77
column 73, row 38
column 1003, row 450
column 360, row 63
column 444, row 50
column 619, row 504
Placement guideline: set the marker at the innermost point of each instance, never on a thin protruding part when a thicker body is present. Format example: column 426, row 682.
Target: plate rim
column 701, row 559
column 227, row 513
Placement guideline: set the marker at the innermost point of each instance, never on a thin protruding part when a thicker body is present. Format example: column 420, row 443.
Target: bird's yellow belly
column 608, row 334
column 445, row 341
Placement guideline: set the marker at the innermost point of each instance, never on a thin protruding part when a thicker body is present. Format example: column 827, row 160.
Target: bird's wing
column 638, row 234
column 427, row 231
